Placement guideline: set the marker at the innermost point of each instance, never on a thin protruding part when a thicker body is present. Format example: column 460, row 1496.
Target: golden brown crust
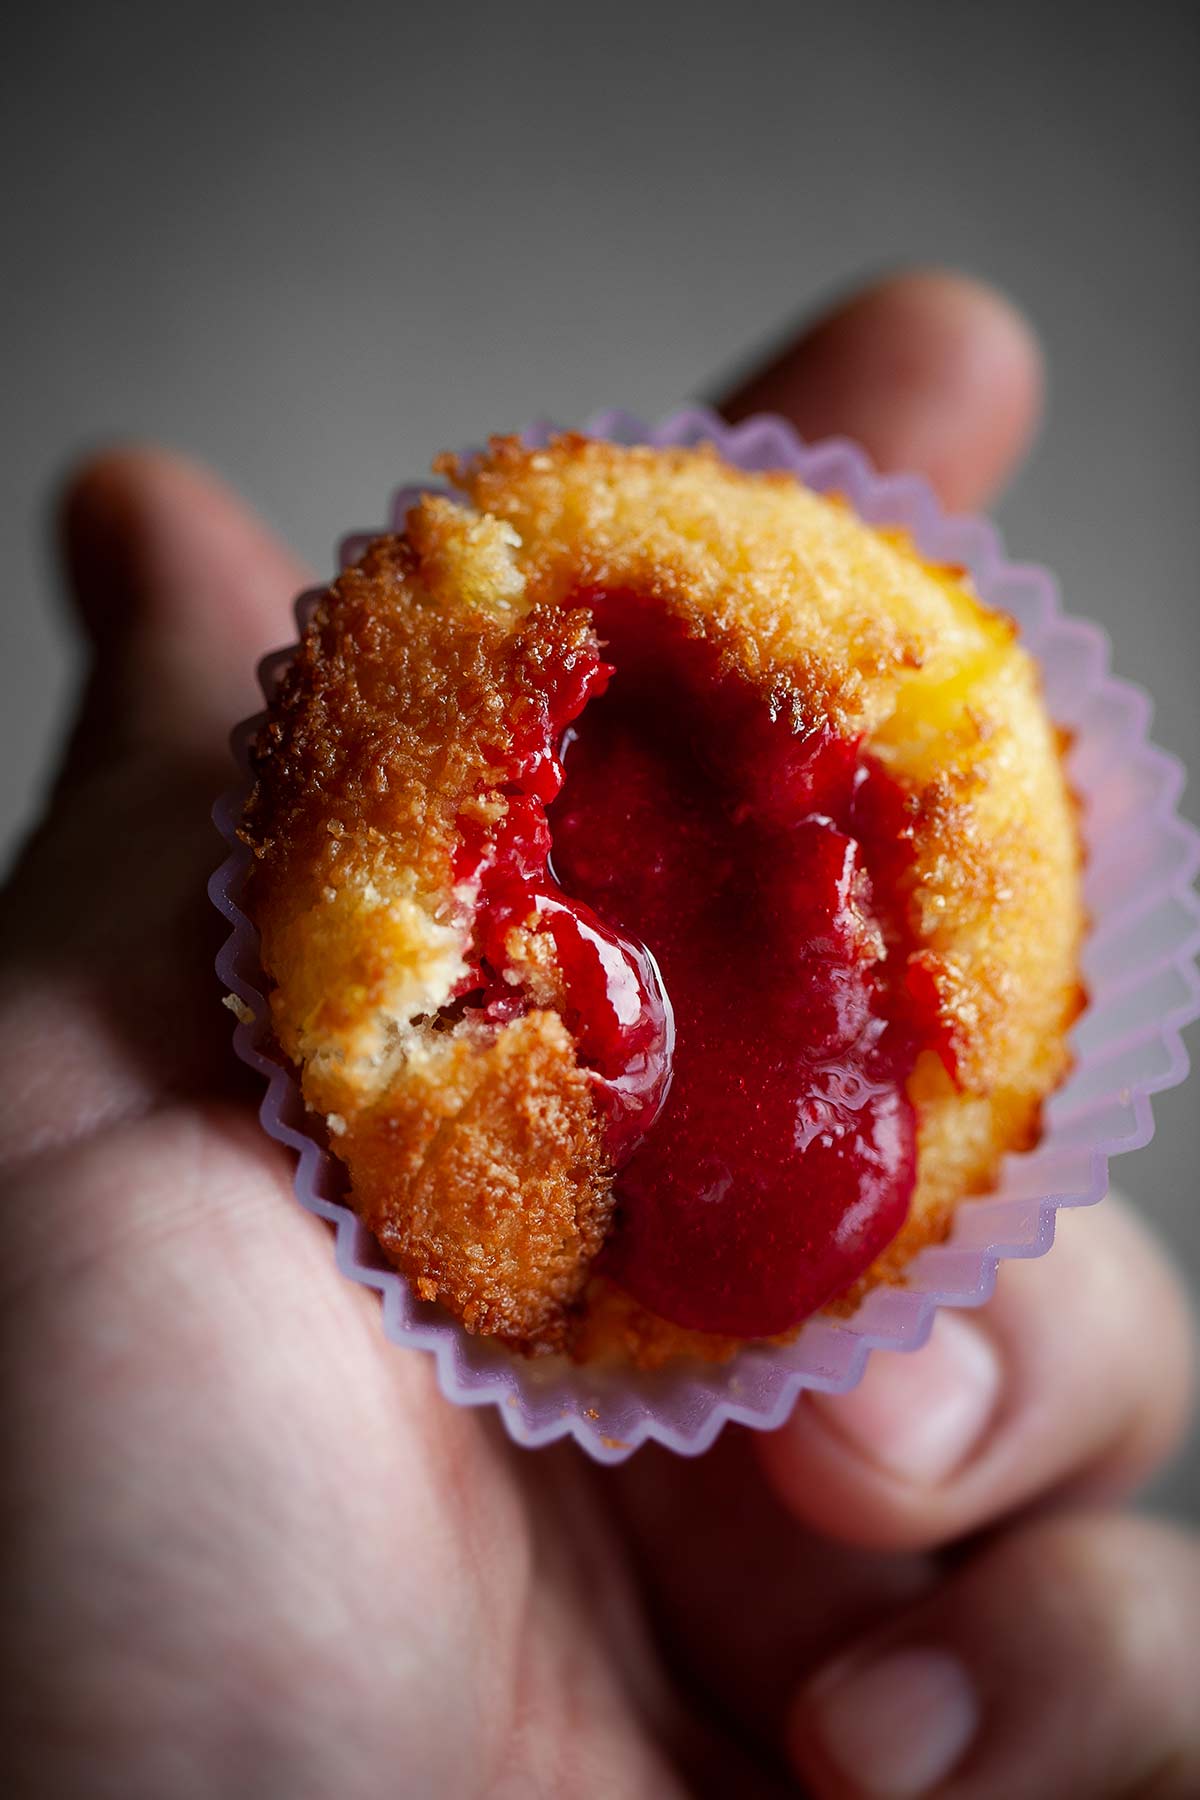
column 394, row 724
column 483, row 1177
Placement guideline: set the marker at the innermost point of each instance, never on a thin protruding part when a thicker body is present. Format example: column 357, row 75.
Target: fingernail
column 920, row 1415
column 897, row 1727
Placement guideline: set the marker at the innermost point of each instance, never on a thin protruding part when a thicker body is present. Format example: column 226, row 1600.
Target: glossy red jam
column 614, row 1004
column 764, row 1141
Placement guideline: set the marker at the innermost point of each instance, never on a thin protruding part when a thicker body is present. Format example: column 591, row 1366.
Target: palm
column 324, row 1534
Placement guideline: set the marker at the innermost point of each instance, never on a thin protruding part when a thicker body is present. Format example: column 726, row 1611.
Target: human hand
column 252, row 1551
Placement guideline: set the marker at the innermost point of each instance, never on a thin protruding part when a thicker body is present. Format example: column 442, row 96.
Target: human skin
column 247, row 1547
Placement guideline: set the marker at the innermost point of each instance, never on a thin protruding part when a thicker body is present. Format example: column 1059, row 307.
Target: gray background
column 316, row 244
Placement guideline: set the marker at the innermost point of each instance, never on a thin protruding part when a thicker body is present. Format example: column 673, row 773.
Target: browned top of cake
column 476, row 1155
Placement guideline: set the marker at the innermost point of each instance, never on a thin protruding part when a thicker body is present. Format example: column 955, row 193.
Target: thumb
column 180, row 589
column 106, row 934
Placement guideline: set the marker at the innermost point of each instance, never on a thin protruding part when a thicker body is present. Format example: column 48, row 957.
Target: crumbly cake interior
column 413, row 747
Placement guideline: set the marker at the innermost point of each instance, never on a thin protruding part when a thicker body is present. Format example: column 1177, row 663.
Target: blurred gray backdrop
column 315, row 244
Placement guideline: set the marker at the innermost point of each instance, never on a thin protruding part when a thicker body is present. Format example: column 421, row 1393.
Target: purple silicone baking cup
column 1139, row 969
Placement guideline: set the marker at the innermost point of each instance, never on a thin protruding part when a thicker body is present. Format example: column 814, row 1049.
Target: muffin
column 670, row 892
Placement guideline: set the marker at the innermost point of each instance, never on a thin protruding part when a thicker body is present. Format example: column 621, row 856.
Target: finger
column 1077, row 1379
column 930, row 371
column 744, row 1600
column 1085, row 1386
column 181, row 589
column 1062, row 1660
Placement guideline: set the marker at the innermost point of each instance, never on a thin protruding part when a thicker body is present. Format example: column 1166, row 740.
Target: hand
column 250, row 1551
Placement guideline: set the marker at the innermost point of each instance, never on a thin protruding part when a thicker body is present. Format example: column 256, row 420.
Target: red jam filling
column 754, row 1092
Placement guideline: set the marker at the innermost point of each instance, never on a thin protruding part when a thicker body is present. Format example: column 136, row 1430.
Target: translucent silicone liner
column 1139, row 967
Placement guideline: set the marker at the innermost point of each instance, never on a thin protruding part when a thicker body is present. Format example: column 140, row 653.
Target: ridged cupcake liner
column 1139, row 968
